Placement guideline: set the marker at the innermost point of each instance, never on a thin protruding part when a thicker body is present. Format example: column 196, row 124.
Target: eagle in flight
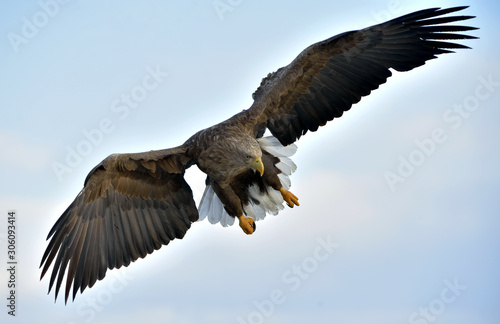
column 132, row 204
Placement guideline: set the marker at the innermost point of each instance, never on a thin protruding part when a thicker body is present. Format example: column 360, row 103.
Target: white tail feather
column 272, row 145
column 285, row 181
column 270, row 202
column 205, row 204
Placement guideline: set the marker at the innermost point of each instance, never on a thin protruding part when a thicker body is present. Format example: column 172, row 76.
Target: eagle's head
column 251, row 155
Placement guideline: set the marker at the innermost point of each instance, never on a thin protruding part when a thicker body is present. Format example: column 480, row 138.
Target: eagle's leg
column 232, row 205
column 271, row 178
column 289, row 197
column 247, row 224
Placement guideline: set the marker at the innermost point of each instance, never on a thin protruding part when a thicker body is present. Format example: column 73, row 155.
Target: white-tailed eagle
column 132, row 204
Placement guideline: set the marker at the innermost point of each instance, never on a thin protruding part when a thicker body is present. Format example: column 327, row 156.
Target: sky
column 398, row 221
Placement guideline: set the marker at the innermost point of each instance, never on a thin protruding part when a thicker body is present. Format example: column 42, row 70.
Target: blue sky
column 398, row 220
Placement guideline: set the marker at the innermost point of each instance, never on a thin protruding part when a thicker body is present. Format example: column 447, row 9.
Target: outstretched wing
column 329, row 76
column 131, row 205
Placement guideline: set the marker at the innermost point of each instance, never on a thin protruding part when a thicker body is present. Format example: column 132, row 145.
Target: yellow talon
column 247, row 225
column 289, row 197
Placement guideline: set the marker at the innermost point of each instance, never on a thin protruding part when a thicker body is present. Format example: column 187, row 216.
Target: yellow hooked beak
column 258, row 166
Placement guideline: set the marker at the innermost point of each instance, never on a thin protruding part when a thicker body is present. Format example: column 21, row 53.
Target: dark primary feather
column 328, row 77
column 131, row 205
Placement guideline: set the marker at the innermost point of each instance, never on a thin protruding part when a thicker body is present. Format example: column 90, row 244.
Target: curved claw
column 289, row 197
column 247, row 225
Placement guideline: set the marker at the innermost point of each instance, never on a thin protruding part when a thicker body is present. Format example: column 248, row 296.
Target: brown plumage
column 132, row 204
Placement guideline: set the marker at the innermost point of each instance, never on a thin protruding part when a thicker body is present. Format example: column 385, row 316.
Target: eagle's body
column 132, row 204
column 212, row 147
column 217, row 151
